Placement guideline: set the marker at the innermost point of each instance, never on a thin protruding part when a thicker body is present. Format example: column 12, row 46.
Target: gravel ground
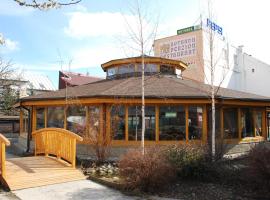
column 211, row 191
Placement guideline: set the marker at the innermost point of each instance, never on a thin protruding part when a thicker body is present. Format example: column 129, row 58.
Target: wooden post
column 65, row 117
column 157, row 123
column 3, row 157
column 87, row 120
column 204, row 124
column 239, row 123
column 45, row 116
column 187, row 123
column 74, row 153
column 264, row 125
column 34, row 119
column 221, row 123
column 21, row 121
column 126, row 123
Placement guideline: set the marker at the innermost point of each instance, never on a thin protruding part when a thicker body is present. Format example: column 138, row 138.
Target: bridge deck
column 27, row 172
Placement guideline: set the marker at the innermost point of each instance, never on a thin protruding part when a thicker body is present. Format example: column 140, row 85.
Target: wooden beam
column 62, row 102
column 157, row 122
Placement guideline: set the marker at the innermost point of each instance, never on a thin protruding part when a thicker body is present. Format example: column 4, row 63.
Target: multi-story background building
column 234, row 69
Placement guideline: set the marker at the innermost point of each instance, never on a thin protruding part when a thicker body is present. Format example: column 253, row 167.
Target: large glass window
column 55, row 117
column 94, row 122
column 195, row 122
column 135, row 123
column 172, row 122
column 230, row 123
column 247, row 125
column 258, row 122
column 118, row 122
column 40, row 112
column 76, row 119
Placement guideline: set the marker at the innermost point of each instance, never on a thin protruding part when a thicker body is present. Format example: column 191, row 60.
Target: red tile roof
column 75, row 79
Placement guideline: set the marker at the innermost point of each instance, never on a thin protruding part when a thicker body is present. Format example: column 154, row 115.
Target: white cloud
column 95, row 56
column 86, row 24
column 9, row 46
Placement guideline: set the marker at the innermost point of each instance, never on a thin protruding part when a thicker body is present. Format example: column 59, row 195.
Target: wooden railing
column 3, row 142
column 58, row 142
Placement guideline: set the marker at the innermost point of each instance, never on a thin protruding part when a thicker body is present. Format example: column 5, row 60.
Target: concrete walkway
column 77, row 190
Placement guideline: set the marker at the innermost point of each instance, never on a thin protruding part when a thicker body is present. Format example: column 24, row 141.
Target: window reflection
column 40, row 112
column 230, row 123
column 247, row 125
column 195, row 122
column 76, row 119
column 94, row 122
column 55, row 117
column 164, row 69
column 258, row 123
column 118, row 122
column 150, row 68
column 112, row 71
column 172, row 123
column 135, row 123
column 126, row 69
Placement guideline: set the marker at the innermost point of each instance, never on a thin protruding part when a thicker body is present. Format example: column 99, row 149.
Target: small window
column 112, row 71
column 150, row 68
column 126, row 69
column 164, row 69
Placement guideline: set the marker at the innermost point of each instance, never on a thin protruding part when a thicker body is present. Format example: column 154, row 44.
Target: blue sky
column 90, row 33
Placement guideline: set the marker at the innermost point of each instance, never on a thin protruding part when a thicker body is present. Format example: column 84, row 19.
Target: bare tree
column 46, row 4
column 141, row 40
column 214, row 54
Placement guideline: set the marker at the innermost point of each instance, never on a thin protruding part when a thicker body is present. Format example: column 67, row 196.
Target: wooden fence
column 3, row 142
column 58, row 142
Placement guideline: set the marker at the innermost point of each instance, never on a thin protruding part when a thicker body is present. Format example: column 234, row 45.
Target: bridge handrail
column 58, row 142
column 3, row 143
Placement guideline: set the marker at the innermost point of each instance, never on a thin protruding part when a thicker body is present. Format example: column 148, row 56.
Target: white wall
column 243, row 73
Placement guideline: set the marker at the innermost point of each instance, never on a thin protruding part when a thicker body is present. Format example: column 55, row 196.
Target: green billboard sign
column 185, row 30
column 188, row 29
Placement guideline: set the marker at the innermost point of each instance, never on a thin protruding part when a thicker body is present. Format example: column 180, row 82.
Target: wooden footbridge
column 54, row 161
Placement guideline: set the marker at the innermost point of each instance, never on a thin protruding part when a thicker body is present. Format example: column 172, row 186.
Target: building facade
column 177, row 110
column 234, row 69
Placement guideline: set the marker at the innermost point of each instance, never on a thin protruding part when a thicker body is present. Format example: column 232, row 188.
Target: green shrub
column 259, row 164
column 190, row 161
column 147, row 172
